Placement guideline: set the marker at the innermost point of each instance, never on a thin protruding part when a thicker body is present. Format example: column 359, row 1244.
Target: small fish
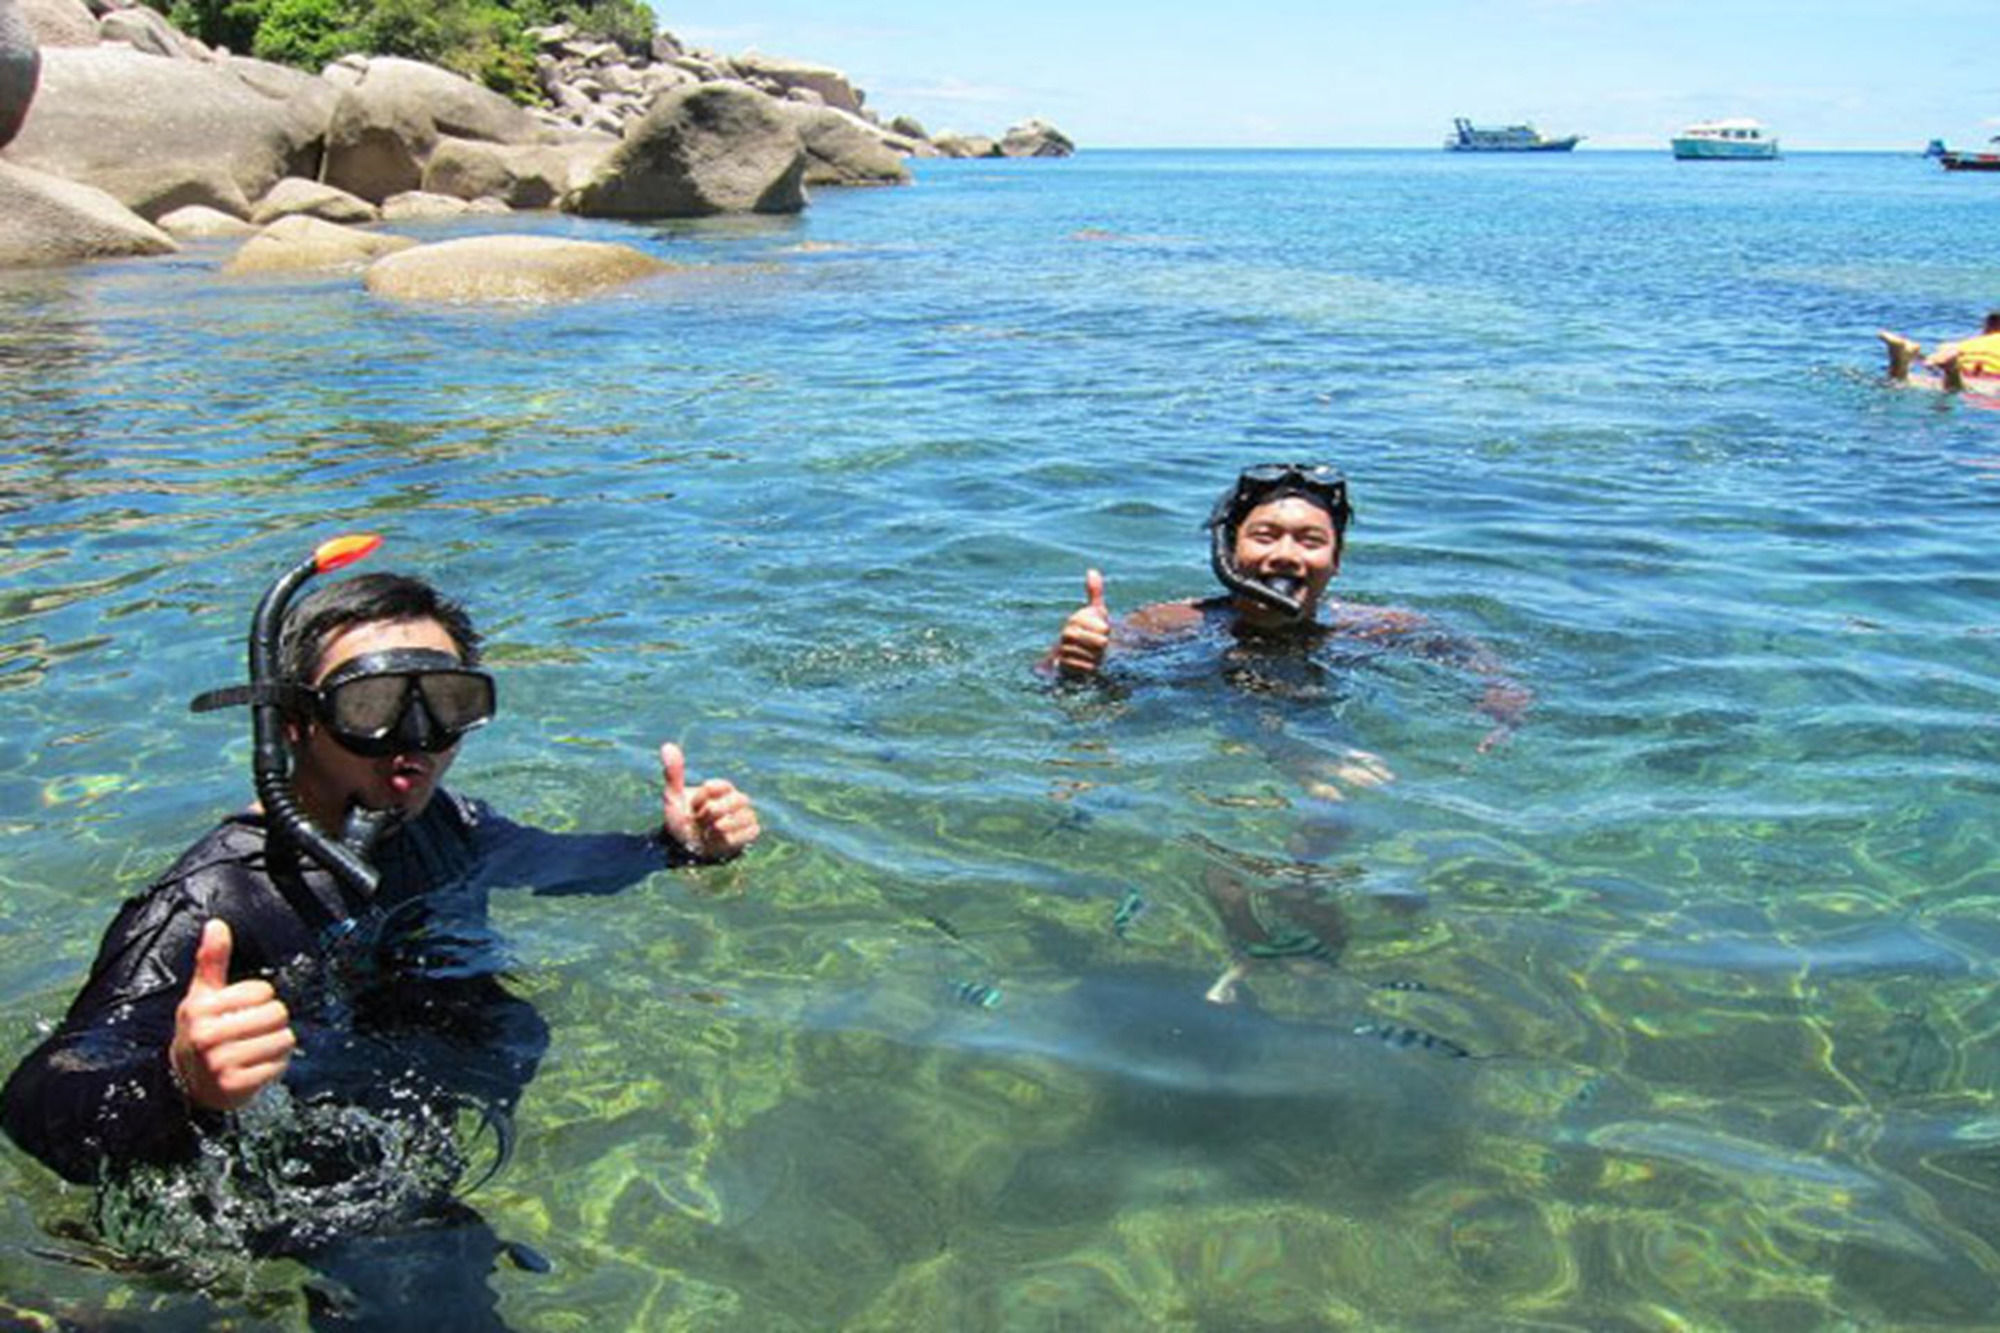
column 979, row 994
column 1403, row 984
column 1129, row 908
column 1289, row 943
column 526, row 1257
column 949, row 931
column 1412, row 1039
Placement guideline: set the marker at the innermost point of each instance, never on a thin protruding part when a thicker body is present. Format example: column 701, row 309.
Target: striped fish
column 1412, row 1039
column 979, row 994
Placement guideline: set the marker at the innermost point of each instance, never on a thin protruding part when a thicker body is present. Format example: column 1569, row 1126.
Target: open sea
column 1675, row 1013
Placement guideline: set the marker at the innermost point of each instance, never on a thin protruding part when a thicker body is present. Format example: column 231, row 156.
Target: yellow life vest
column 1980, row 356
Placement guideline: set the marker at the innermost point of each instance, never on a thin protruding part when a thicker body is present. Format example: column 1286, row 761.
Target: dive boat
column 1725, row 141
column 1953, row 160
column 1469, row 138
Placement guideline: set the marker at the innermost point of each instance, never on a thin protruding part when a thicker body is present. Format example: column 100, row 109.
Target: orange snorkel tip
column 338, row 552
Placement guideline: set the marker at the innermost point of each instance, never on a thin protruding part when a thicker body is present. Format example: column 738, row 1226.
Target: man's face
column 327, row 777
column 1291, row 536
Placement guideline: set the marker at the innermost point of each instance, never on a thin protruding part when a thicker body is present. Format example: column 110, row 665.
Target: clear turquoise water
column 1718, row 922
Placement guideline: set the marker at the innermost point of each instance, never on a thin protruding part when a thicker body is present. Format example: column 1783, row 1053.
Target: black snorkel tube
column 1280, row 593
column 270, row 762
column 1321, row 485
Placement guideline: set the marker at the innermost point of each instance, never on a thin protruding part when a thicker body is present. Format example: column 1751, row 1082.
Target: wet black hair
column 363, row 599
column 1993, row 321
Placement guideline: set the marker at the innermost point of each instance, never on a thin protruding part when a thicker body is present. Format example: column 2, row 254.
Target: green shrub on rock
column 484, row 40
column 305, row 33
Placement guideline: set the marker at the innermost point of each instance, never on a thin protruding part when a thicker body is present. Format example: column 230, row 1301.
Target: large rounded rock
column 950, row 144
column 830, row 86
column 303, row 244
column 20, row 68
column 161, row 134
column 294, row 196
column 142, row 29
column 47, row 220
column 509, row 268
column 195, row 223
column 60, row 22
column 844, row 149
column 1036, row 138
column 416, row 206
column 713, row 148
column 386, row 125
column 519, row 175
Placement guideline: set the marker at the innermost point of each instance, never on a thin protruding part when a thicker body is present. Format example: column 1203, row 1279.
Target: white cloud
column 952, row 90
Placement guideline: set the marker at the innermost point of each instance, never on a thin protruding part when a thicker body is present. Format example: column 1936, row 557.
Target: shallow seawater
column 1675, row 1012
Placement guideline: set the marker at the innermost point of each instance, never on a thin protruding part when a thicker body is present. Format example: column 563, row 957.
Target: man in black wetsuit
column 250, row 962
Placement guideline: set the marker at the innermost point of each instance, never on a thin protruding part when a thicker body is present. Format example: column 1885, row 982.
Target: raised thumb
column 211, row 956
column 1093, row 589
column 673, row 768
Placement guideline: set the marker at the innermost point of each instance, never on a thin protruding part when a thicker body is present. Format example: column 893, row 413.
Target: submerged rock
column 303, row 244
column 509, row 268
column 714, row 148
column 49, row 220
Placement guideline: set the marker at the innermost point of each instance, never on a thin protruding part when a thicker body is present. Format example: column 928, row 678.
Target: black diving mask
column 400, row 700
column 1314, row 482
column 384, row 703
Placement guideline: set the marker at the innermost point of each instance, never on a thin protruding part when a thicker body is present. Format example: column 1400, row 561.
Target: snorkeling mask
column 1318, row 483
column 404, row 699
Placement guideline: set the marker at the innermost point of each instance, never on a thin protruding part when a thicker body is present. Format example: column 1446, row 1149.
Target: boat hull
column 1725, row 150
column 1545, row 146
column 1969, row 161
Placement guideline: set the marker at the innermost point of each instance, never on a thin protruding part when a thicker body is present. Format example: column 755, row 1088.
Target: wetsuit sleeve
column 520, row 856
column 99, row 1091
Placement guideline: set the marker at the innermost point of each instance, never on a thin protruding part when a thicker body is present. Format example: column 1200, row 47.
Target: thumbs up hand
column 1080, row 649
column 715, row 821
column 229, row 1040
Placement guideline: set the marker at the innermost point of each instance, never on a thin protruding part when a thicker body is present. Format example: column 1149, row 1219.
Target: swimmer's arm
column 551, row 864
column 1502, row 700
column 100, row 1089
column 1148, row 627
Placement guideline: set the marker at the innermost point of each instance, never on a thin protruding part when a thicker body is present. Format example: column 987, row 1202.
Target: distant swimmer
column 1276, row 538
column 325, row 954
column 1973, row 364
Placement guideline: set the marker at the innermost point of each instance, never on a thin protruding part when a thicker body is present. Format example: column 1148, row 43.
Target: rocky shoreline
column 120, row 134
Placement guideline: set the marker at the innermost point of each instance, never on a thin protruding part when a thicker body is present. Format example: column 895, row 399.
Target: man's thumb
column 1093, row 588
column 211, row 956
column 673, row 767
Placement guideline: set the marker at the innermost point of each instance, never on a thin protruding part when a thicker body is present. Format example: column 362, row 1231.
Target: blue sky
column 1320, row 73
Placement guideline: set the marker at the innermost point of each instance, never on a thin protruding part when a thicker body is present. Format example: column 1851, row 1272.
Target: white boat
column 1469, row 138
column 1725, row 140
